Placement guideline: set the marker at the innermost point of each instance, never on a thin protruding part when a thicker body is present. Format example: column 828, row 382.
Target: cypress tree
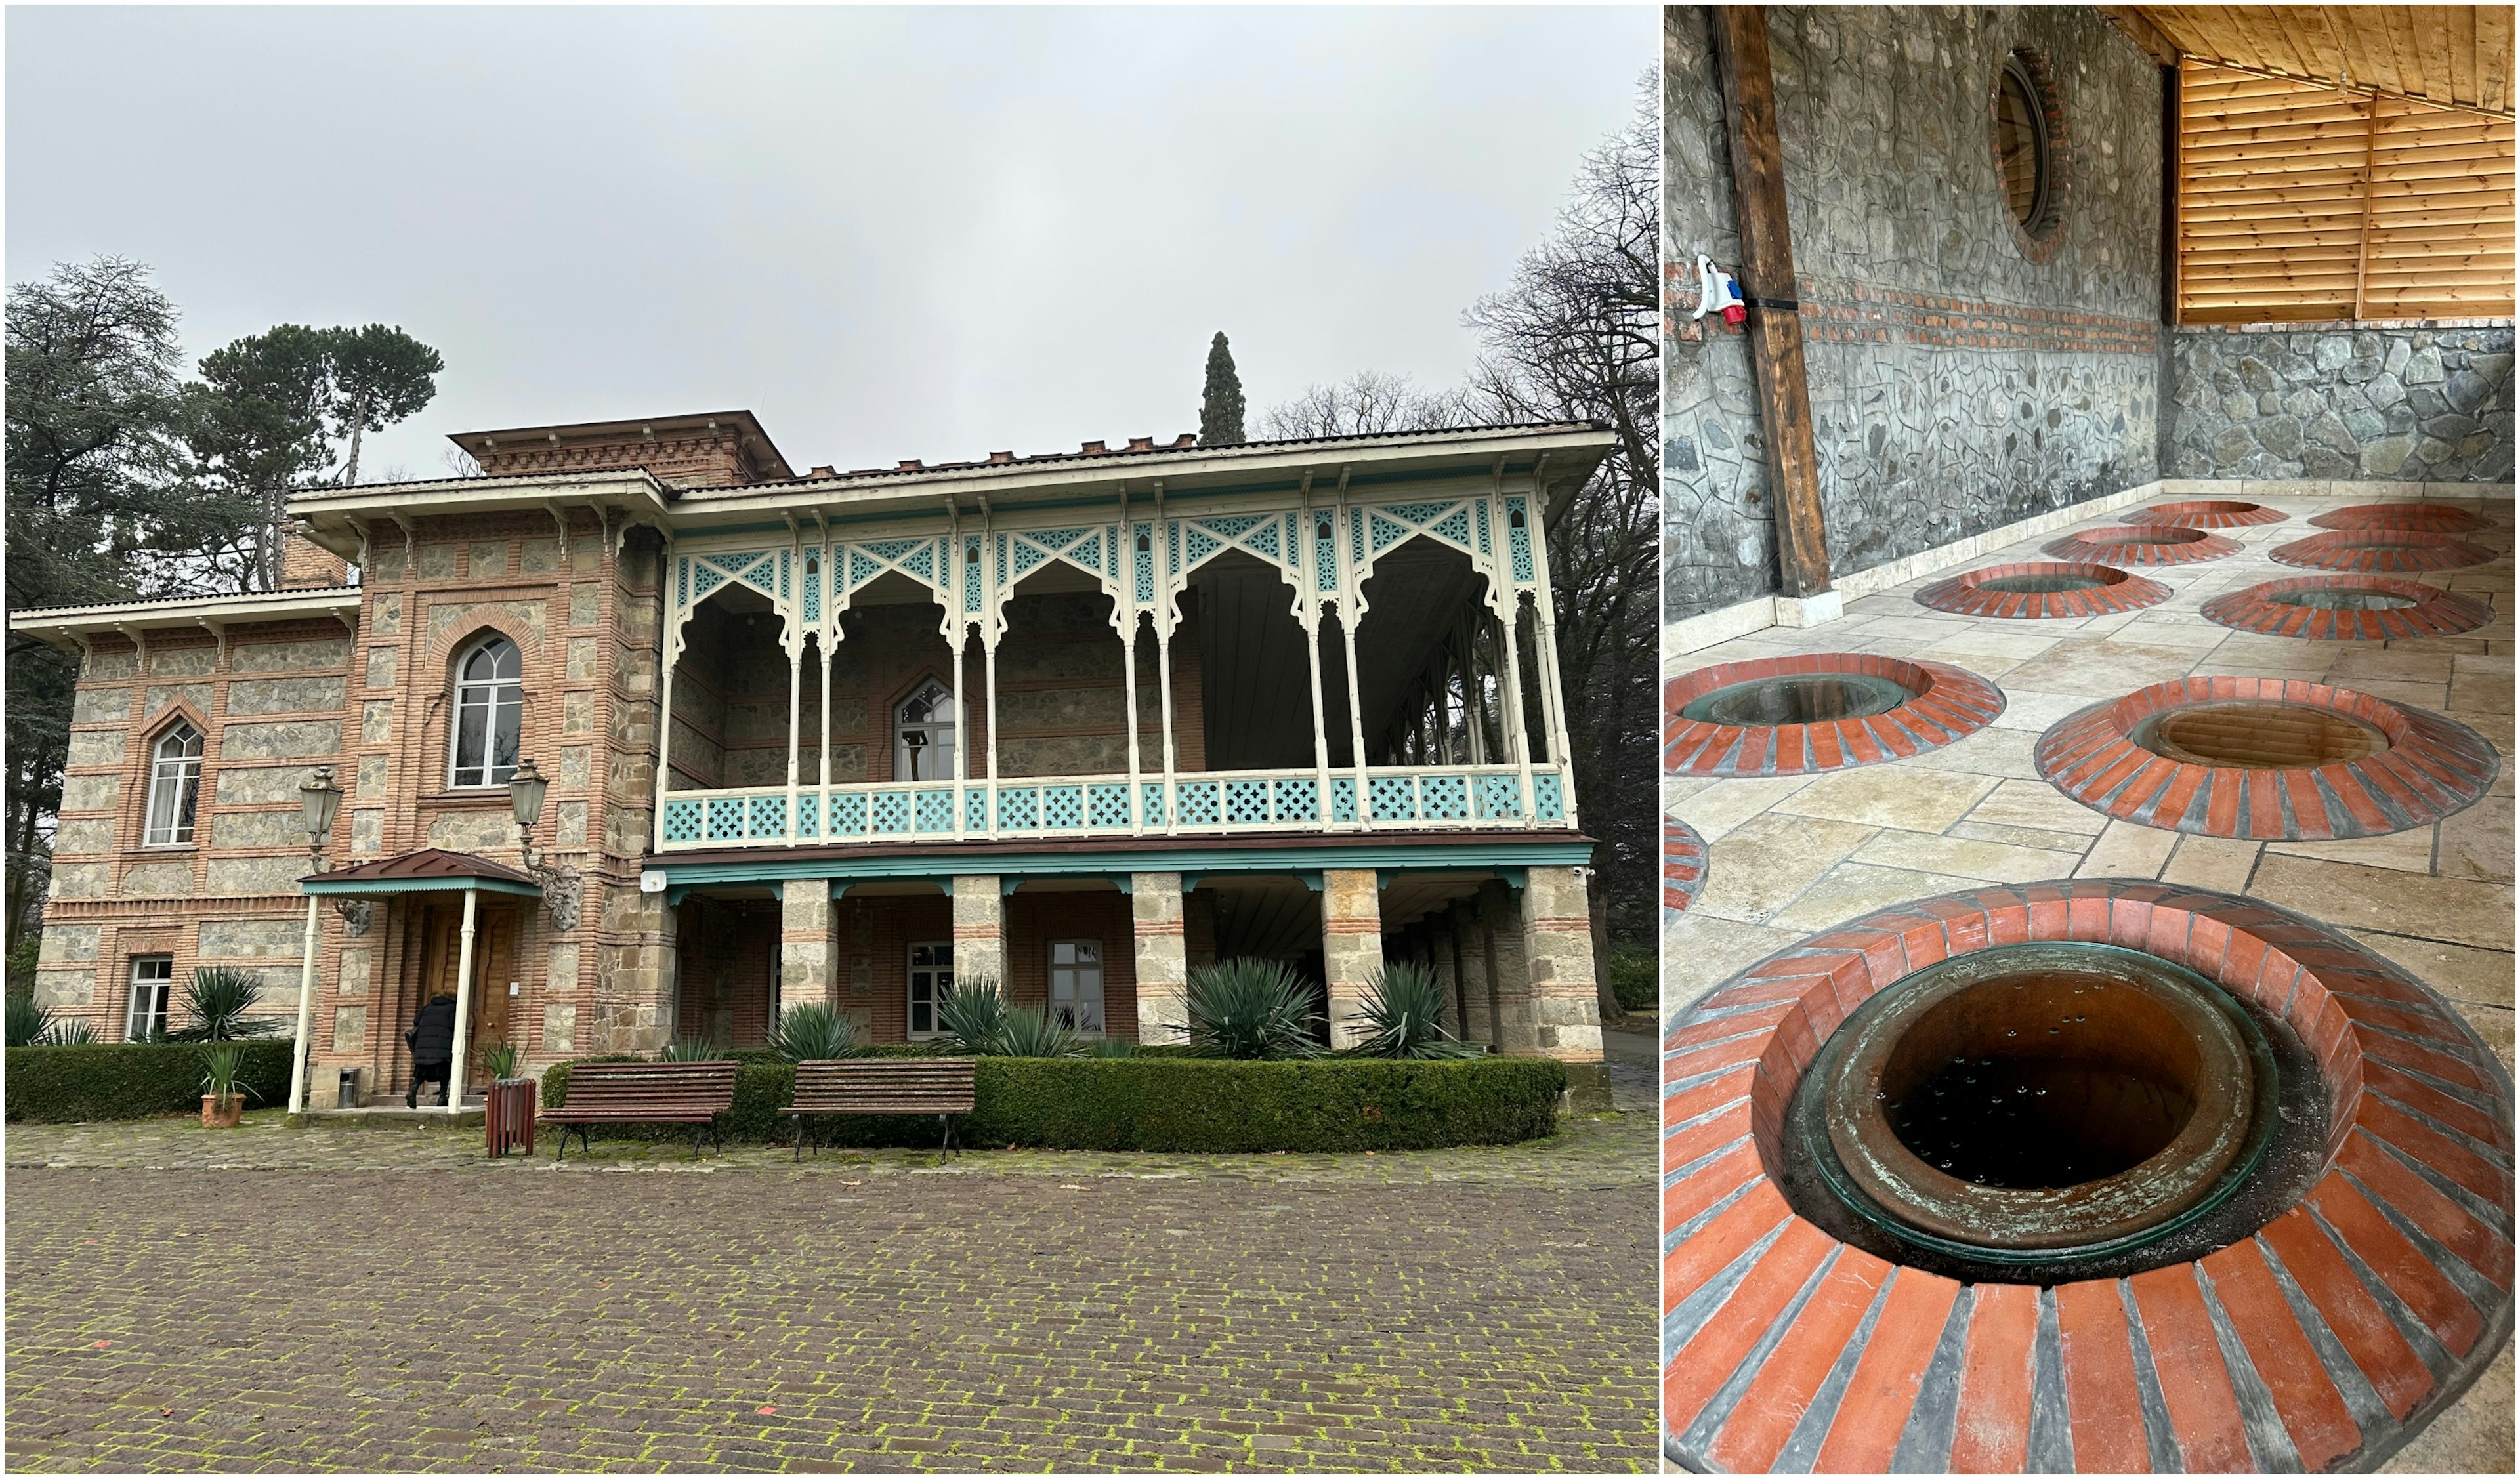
column 1220, row 409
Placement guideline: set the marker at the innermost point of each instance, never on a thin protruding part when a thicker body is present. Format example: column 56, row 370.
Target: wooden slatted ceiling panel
column 2458, row 54
column 2299, row 202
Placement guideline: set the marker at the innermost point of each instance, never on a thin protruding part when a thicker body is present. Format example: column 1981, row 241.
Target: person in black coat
column 431, row 1040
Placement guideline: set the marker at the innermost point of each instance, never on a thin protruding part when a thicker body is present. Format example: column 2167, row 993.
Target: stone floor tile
column 1853, row 888
column 2473, row 1437
column 2461, row 972
column 1700, row 950
column 1982, row 640
column 2478, row 842
column 2409, row 851
column 2161, row 627
column 2222, row 863
column 1725, row 805
column 2036, row 804
column 2101, row 669
column 2127, row 851
column 1967, row 858
column 2073, row 843
column 2361, row 663
column 1890, row 795
column 1758, row 866
column 2357, row 897
column 2037, row 712
column 1991, row 751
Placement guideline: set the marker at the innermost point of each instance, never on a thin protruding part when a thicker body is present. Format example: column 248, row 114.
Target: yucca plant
column 77, row 1032
column 219, row 996
column 1030, row 1032
column 974, row 1014
column 27, row 1021
column 1404, row 1012
column 1250, row 1008
column 1111, row 1048
column 811, row 1031
column 223, row 1070
column 691, row 1049
column 501, row 1060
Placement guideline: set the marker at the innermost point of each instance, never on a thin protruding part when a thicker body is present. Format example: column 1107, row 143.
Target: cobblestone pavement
column 387, row 1299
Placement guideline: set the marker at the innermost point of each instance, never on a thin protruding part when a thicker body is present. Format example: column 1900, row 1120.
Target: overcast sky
column 925, row 233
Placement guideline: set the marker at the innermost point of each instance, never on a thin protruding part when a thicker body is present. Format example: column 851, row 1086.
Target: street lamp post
column 322, row 800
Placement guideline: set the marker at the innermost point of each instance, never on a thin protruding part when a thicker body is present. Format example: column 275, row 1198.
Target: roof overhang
column 430, row 869
column 1572, row 450
column 73, row 628
column 2450, row 56
column 345, row 520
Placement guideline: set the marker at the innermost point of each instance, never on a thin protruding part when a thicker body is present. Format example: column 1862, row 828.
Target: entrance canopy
column 430, row 869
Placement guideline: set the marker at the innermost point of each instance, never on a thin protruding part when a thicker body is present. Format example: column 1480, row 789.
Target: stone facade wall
column 1957, row 384
column 2344, row 402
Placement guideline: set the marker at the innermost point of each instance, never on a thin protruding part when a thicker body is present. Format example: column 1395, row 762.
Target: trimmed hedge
column 1180, row 1103
column 110, row 1081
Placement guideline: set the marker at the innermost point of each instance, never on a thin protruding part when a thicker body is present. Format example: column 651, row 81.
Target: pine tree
column 1220, row 409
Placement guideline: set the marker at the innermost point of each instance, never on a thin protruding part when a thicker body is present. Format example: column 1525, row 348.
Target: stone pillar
column 979, row 929
column 1163, row 954
column 1351, row 944
column 806, row 943
column 1564, row 1009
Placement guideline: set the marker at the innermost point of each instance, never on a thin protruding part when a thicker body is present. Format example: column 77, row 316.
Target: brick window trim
column 2041, row 237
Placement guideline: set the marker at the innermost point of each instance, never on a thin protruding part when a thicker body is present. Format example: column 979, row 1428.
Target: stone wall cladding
column 2409, row 1214
column 1956, row 384
column 2421, row 403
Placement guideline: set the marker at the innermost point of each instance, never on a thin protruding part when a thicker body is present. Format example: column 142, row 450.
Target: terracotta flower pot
column 222, row 1111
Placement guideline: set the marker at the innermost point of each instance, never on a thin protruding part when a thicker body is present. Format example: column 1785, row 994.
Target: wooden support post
column 2170, row 125
column 1776, row 327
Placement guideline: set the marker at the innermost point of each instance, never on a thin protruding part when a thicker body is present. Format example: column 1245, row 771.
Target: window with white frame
column 931, row 981
column 174, row 787
column 1076, row 985
column 923, row 735
column 489, row 713
column 152, row 978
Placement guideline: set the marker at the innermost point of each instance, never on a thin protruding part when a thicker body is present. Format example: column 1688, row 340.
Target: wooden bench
column 645, row 1094
column 941, row 1087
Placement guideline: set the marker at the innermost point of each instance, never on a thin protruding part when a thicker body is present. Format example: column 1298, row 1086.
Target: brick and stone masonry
column 1351, row 946
column 1159, row 936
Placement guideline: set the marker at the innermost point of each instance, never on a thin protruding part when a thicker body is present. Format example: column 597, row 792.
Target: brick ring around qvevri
column 2265, row 758
column 2137, row 544
column 2439, row 518
column 2381, row 550
column 2348, row 609
column 2319, row 1335
column 2207, row 514
column 1683, row 865
column 1822, row 711
column 2034, row 590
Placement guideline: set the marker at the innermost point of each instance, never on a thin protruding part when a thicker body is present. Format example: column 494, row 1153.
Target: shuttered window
column 2298, row 203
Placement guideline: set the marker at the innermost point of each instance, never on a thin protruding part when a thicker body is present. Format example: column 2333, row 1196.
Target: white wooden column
column 668, row 639
column 463, row 1004
column 796, row 703
column 1128, row 563
column 1517, row 742
column 1320, row 732
column 962, row 729
column 1164, row 666
column 1350, row 595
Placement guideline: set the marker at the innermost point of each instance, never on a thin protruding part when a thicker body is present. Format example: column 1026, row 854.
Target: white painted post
column 462, row 1006
column 796, row 703
column 1356, row 719
column 1172, row 771
column 306, row 1010
column 1321, row 734
column 1517, row 743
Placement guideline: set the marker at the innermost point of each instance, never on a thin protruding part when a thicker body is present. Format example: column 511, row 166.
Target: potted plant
column 501, row 1060
column 224, row 1104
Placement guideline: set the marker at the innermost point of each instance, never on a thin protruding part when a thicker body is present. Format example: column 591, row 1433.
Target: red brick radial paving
column 1950, row 703
column 1968, row 596
column 1683, row 865
column 2136, row 544
column 2439, row 518
column 2432, row 767
column 2381, row 550
column 2318, row 1343
column 2207, row 514
column 2436, row 612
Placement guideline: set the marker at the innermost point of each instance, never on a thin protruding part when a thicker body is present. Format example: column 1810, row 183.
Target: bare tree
column 1365, row 403
column 1576, row 338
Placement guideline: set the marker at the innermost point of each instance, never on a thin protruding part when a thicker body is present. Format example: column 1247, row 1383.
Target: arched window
column 489, row 712
column 923, row 735
column 174, row 787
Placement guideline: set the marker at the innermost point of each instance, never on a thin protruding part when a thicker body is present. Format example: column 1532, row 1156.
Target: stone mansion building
column 1077, row 722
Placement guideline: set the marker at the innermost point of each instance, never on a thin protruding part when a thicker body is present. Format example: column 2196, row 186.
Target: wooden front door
column 494, row 967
